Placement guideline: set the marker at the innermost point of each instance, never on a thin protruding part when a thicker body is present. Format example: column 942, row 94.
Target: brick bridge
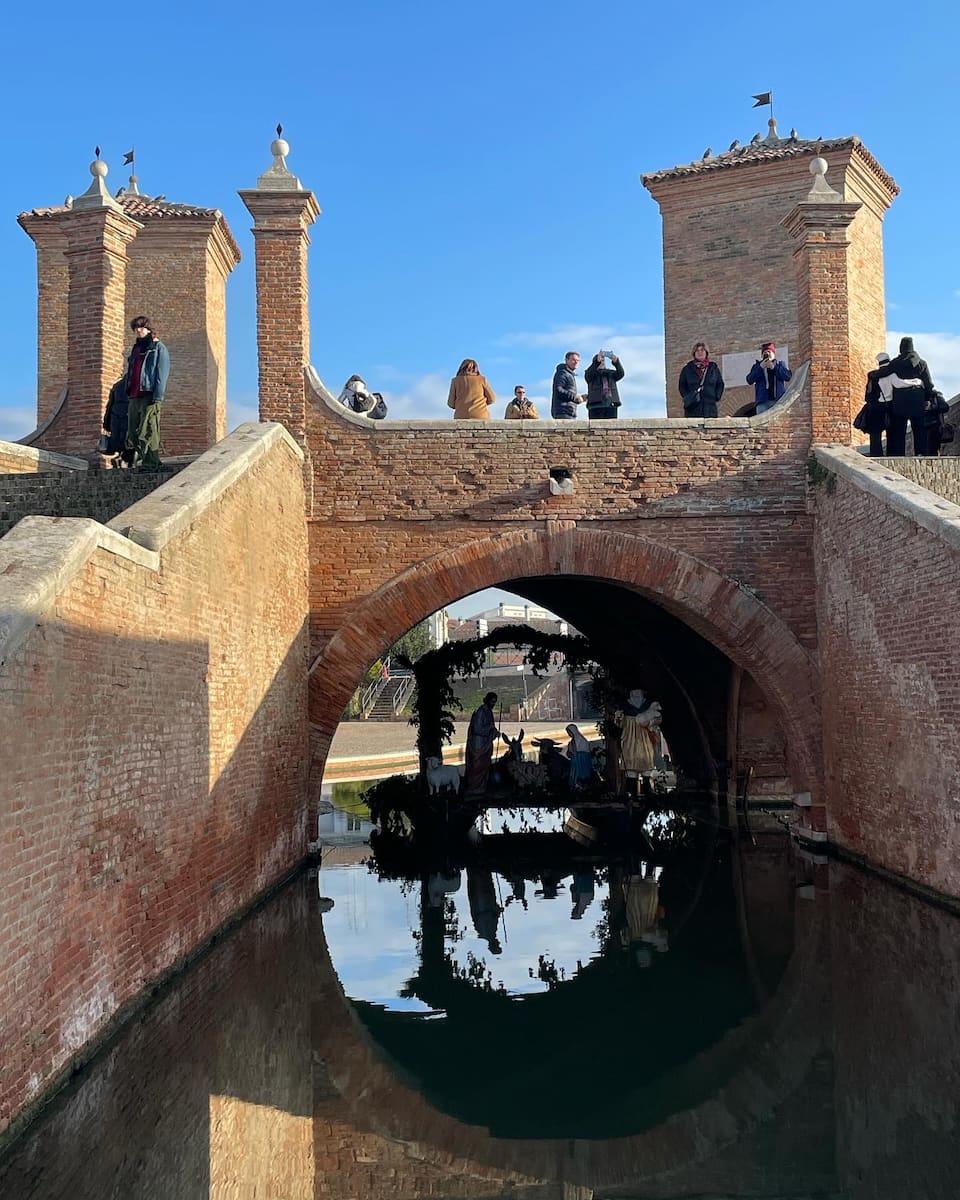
column 172, row 670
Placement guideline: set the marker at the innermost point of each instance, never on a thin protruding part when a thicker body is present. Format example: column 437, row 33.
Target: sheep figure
column 441, row 776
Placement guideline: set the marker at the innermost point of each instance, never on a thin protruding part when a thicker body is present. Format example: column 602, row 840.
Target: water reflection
column 791, row 1030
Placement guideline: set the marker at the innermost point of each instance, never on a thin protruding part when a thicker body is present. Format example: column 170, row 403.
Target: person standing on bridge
column 564, row 397
column 520, row 408
column 603, row 399
column 148, row 367
column 912, row 389
column 701, row 384
column 470, row 395
column 769, row 376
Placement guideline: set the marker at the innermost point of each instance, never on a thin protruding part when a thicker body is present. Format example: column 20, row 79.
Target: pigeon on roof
column 707, row 152
column 794, row 136
column 755, row 139
column 735, row 144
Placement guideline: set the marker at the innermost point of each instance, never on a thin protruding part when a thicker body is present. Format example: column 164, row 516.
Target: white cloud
column 241, row 407
column 17, row 420
column 424, row 396
column 942, row 354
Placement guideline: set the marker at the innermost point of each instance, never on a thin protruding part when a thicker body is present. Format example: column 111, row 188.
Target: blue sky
column 478, row 167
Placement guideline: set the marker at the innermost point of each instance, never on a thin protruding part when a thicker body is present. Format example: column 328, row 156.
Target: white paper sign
column 736, row 367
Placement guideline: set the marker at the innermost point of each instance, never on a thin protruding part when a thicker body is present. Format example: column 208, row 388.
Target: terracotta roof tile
column 772, row 151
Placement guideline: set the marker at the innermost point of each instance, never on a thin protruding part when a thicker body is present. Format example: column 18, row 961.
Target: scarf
column 701, row 367
column 140, row 348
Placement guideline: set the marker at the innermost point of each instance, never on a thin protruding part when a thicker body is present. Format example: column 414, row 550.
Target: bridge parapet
column 483, row 471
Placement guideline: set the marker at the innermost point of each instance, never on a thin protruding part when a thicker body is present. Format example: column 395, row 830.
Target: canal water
column 690, row 1010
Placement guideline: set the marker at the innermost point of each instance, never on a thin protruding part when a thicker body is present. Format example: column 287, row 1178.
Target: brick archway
column 714, row 605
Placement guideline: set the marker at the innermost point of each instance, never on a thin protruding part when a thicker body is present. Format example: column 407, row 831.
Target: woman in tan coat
column 470, row 394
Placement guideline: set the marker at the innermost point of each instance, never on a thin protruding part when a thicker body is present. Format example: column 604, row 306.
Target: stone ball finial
column 278, row 177
column 818, row 166
column 279, row 147
column 98, row 168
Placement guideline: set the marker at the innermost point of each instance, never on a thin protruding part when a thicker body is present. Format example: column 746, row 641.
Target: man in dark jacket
column 148, row 368
column 912, row 388
column 564, row 397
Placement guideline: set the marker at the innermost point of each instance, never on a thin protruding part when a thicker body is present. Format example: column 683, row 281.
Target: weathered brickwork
column 707, row 518
column 174, row 269
column 101, row 495
column 939, row 475
column 727, row 261
column 888, row 573
column 27, row 460
column 157, row 782
column 53, row 288
column 96, row 256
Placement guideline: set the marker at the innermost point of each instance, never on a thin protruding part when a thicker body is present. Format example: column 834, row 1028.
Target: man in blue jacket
column 148, row 368
column 769, row 375
column 564, row 397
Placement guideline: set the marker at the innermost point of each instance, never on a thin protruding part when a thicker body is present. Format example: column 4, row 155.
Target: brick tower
column 100, row 260
column 728, row 261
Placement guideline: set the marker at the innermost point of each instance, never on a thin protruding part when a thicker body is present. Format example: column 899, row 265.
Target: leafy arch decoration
column 435, row 703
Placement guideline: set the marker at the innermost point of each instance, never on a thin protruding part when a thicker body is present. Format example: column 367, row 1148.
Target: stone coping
column 41, row 555
column 176, row 504
column 38, row 559
column 926, row 508
column 31, row 454
column 324, row 398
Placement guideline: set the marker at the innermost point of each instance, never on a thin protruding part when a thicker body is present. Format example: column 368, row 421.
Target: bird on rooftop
column 735, row 144
column 794, row 136
column 706, row 153
column 755, row 139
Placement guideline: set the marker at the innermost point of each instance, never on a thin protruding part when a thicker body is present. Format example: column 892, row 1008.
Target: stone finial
column 820, row 189
column 96, row 195
column 278, row 177
column 772, row 134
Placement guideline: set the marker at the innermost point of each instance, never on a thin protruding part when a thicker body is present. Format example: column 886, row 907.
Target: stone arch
column 714, row 605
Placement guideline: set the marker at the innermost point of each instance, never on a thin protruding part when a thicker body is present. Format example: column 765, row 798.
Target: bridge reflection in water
column 687, row 1014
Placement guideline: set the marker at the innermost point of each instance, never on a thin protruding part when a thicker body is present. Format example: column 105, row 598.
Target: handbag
column 860, row 420
column 947, row 433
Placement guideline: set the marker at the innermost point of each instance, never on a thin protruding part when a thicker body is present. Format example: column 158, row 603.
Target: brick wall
column 888, row 572
column 52, row 291
column 939, row 475
column 177, row 276
column 101, row 495
column 728, row 274
column 175, row 270
column 157, row 779
column 16, row 459
column 708, row 518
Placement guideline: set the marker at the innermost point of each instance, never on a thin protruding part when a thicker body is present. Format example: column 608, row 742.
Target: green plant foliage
column 435, row 702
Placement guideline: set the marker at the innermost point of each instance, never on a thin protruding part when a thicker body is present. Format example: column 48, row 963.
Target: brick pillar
column 177, row 274
column 282, row 211
column 820, row 227
column 97, row 240
column 46, row 231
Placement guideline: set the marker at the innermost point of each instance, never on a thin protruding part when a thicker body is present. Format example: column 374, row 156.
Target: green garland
column 434, row 702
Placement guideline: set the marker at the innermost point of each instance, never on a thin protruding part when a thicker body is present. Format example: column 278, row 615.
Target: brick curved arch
column 714, row 605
